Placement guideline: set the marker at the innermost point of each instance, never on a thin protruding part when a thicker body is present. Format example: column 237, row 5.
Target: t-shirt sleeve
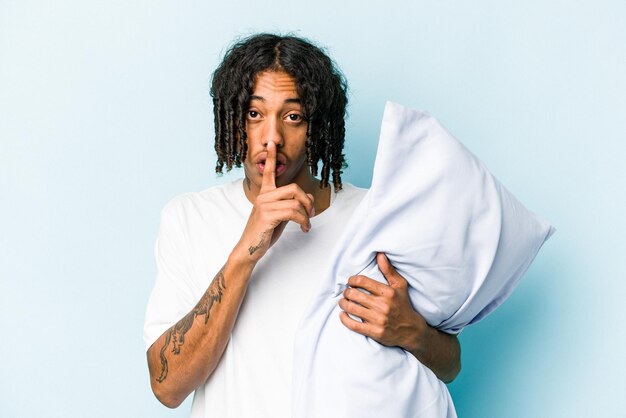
column 172, row 296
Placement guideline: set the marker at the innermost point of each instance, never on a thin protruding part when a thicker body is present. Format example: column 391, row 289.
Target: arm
column 186, row 354
column 389, row 318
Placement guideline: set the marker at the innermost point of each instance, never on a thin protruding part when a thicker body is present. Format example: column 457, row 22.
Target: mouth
column 281, row 164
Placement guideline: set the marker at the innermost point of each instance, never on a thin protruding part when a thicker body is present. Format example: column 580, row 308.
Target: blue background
column 105, row 115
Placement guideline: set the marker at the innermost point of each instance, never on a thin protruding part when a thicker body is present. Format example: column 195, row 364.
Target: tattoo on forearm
column 176, row 334
column 253, row 249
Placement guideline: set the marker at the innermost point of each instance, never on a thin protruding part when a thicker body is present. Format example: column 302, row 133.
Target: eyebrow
column 262, row 99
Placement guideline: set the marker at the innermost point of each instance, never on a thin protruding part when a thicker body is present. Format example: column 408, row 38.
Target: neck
column 321, row 196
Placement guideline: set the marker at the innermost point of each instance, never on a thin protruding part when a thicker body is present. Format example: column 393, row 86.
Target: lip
column 281, row 163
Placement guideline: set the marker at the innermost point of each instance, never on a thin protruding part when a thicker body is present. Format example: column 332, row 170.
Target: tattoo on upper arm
column 253, row 249
column 176, row 334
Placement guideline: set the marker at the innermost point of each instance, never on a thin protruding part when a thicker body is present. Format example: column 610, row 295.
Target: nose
column 273, row 132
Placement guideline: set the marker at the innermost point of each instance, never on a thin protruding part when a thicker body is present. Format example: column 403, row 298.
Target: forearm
column 188, row 352
column 185, row 355
column 438, row 351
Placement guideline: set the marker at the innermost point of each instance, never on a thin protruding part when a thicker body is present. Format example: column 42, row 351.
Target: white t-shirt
column 197, row 233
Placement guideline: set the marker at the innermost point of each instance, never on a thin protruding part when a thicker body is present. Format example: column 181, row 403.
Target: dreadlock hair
column 320, row 85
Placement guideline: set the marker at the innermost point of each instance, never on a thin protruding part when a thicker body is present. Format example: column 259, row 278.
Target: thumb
column 394, row 279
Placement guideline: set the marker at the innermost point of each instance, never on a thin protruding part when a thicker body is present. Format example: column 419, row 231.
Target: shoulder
column 349, row 196
column 350, row 188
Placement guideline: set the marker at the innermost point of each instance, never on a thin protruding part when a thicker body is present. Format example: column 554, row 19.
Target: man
column 279, row 107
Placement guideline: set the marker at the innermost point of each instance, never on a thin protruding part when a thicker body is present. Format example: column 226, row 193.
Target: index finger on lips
column 269, row 171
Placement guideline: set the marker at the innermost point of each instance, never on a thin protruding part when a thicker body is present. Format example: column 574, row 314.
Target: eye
column 294, row 117
column 253, row 114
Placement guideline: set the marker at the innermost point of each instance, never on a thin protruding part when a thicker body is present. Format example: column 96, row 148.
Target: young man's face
column 275, row 114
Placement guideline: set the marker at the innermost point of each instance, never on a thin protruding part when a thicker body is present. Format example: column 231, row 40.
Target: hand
column 273, row 208
column 387, row 314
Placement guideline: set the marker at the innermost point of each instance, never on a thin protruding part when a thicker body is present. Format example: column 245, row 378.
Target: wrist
column 240, row 261
column 419, row 338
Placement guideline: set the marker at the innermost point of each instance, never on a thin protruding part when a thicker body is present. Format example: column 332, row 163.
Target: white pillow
column 452, row 230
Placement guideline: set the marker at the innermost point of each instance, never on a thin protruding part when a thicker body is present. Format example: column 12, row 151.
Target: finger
column 362, row 328
column 290, row 191
column 392, row 276
column 290, row 210
column 357, row 310
column 374, row 287
column 379, row 307
column 312, row 199
column 269, row 171
column 361, row 298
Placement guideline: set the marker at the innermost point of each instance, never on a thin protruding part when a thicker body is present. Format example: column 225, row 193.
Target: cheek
column 299, row 142
column 299, row 156
column 302, row 150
